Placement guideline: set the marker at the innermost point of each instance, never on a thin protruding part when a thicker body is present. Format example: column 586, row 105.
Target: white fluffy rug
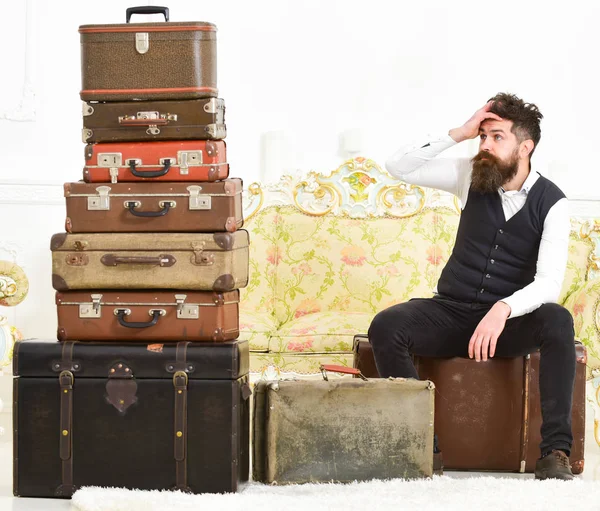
column 440, row 493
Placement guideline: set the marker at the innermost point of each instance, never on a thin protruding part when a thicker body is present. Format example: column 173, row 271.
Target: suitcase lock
column 142, row 42
column 197, row 201
column 100, row 202
column 91, row 311
column 187, row 159
column 186, row 310
column 200, row 258
column 113, row 161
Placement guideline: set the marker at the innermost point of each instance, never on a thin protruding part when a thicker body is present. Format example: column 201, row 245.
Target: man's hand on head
column 486, row 334
column 470, row 129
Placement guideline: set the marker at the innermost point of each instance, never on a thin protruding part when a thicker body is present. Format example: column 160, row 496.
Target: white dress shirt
column 419, row 166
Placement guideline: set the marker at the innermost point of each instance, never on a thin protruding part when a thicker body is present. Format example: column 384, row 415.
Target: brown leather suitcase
column 181, row 261
column 130, row 121
column 154, row 207
column 177, row 160
column 142, row 61
column 487, row 415
column 147, row 316
column 137, row 416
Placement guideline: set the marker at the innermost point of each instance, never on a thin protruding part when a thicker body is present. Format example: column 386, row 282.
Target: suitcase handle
column 149, row 173
column 164, row 260
column 131, row 205
column 340, row 369
column 121, row 313
column 143, row 122
column 147, row 9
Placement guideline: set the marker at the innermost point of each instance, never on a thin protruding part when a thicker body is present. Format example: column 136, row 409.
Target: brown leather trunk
column 154, row 207
column 141, row 61
column 152, row 417
column 130, row 121
column 147, row 316
column 488, row 415
column 173, row 160
column 181, row 261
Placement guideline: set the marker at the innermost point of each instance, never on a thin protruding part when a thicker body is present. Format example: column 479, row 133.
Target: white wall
column 295, row 76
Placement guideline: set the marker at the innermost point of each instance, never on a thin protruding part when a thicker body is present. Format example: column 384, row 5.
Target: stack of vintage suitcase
column 147, row 385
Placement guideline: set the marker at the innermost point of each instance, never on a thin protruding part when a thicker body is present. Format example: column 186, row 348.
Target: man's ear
column 526, row 148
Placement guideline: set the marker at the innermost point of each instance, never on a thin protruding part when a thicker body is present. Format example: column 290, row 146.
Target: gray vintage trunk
column 343, row 431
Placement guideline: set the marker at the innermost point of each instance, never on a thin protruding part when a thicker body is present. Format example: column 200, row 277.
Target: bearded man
column 497, row 294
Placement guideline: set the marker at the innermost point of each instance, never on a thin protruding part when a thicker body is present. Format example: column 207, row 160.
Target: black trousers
column 442, row 327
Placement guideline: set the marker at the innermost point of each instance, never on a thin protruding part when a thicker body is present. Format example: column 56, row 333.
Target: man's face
column 498, row 159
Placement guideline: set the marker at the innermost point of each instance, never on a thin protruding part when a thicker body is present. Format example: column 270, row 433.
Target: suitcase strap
column 526, row 402
column 180, row 382
column 66, row 382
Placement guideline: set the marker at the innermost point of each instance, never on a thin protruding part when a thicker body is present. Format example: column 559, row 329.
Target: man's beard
column 490, row 172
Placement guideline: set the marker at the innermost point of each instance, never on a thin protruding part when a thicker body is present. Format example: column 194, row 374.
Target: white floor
column 8, row 502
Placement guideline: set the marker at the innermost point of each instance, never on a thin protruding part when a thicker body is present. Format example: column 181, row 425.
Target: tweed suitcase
column 188, row 160
column 487, row 414
column 189, row 261
column 154, row 207
column 152, row 417
column 342, row 430
column 145, row 61
column 147, row 316
column 130, row 121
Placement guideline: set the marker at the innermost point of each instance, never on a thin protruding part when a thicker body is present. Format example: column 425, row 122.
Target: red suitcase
column 181, row 160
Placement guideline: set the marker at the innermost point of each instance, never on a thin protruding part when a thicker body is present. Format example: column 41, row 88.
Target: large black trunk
column 172, row 416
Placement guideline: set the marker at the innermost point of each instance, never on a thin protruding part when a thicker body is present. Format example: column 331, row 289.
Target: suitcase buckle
column 178, row 375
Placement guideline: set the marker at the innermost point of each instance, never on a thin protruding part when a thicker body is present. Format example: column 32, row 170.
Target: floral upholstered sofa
column 328, row 251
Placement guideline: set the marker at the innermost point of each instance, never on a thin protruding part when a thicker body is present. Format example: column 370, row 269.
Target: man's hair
column 526, row 117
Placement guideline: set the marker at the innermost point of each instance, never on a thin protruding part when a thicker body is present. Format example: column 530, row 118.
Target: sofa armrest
column 584, row 305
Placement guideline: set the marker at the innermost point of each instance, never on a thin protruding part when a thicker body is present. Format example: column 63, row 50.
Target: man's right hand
column 470, row 129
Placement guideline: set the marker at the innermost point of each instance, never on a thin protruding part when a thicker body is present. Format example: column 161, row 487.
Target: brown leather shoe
column 555, row 465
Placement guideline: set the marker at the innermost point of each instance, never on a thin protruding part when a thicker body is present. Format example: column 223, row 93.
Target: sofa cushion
column 272, row 366
column 257, row 328
column 344, row 265
column 320, row 332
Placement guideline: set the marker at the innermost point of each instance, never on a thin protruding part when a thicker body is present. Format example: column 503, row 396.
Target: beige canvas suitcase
column 182, row 261
column 342, row 430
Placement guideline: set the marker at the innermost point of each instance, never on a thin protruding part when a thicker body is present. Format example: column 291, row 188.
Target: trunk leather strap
column 66, row 382
column 526, row 402
column 180, row 383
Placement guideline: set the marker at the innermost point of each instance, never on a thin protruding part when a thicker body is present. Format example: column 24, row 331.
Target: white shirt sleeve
column 551, row 264
column 419, row 166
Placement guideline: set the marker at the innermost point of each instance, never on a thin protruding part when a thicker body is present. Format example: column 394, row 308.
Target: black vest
column 493, row 258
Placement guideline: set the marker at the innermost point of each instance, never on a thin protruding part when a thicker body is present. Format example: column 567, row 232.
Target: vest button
column 492, row 261
column 481, row 290
column 495, row 247
column 488, row 276
column 500, row 231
